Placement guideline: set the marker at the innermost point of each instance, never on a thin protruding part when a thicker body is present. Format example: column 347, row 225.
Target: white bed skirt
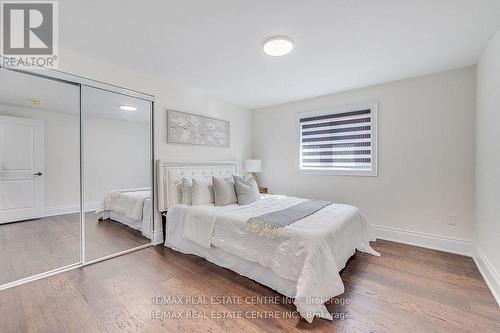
column 232, row 262
column 144, row 225
column 263, row 275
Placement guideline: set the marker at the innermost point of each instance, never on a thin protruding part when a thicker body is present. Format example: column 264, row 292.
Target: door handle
column 38, row 174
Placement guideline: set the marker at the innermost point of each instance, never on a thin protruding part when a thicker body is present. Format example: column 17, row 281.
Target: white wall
column 425, row 159
column 488, row 156
column 116, row 156
column 169, row 95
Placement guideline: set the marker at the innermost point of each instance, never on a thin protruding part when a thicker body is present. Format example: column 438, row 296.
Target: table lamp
column 252, row 167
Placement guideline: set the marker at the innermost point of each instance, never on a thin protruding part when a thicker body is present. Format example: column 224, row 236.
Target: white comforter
column 311, row 251
column 130, row 203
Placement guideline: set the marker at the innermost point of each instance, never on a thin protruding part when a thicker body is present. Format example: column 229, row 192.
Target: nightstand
column 263, row 190
column 164, row 225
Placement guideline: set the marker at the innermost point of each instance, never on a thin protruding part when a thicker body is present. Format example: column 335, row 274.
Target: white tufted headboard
column 170, row 174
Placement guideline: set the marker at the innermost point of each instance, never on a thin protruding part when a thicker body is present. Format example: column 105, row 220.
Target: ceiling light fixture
column 278, row 46
column 128, row 108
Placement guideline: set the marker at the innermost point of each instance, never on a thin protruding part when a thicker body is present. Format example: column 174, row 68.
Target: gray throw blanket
column 269, row 225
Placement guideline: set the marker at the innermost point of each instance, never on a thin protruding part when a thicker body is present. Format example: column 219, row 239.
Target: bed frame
column 170, row 174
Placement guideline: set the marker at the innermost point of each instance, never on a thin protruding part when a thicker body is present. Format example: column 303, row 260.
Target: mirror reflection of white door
column 22, row 184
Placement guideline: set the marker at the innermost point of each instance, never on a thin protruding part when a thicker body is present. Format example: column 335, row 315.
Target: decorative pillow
column 243, row 179
column 203, row 191
column 187, row 191
column 249, row 180
column 224, row 192
column 246, row 191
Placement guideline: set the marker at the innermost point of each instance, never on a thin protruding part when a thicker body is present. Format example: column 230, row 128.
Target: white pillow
column 246, row 191
column 187, row 191
column 224, row 192
column 249, row 180
column 203, row 191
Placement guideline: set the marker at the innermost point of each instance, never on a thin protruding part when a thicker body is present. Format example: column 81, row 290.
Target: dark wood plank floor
column 31, row 247
column 407, row 289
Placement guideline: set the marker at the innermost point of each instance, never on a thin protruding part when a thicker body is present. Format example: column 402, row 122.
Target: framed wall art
column 193, row 129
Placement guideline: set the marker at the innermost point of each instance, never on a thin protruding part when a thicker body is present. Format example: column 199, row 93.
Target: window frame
column 373, row 172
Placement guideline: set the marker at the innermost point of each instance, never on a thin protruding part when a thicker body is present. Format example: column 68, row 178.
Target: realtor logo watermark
column 29, row 34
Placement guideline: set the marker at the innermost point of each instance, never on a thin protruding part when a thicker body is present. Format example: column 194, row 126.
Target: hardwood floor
column 407, row 289
column 31, row 247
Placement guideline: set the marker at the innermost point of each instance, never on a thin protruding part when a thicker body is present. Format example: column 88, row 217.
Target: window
column 341, row 141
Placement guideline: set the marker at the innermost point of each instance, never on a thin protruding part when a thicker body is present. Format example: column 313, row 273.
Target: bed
column 131, row 207
column 303, row 262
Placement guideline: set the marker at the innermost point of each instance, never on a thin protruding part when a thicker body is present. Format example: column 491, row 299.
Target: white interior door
column 22, row 185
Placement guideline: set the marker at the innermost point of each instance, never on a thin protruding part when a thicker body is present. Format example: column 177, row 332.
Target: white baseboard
column 158, row 237
column 70, row 209
column 489, row 273
column 430, row 241
column 61, row 210
column 446, row 244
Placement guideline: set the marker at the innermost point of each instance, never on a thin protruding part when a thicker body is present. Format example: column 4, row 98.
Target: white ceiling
column 19, row 89
column 55, row 96
column 215, row 45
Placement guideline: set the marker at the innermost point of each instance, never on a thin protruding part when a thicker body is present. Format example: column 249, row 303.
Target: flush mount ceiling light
column 128, row 108
column 278, row 46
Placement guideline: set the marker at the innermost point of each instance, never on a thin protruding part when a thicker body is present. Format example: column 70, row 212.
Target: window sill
column 354, row 173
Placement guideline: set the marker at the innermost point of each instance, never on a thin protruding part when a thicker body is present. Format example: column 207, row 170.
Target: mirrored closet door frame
column 82, row 82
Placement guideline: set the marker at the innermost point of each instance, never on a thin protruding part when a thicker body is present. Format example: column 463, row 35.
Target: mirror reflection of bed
column 125, row 216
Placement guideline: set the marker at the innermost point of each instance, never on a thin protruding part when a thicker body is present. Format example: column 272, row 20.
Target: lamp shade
column 253, row 165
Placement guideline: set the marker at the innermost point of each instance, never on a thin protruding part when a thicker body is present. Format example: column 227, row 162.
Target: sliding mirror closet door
column 39, row 175
column 117, row 172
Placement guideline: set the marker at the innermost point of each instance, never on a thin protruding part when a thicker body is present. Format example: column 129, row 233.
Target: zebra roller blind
column 339, row 140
